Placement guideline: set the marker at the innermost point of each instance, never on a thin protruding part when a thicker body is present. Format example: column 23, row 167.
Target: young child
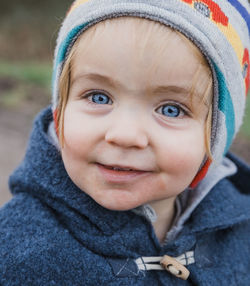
column 127, row 179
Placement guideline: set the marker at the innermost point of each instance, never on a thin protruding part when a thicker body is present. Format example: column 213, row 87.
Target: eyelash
column 182, row 111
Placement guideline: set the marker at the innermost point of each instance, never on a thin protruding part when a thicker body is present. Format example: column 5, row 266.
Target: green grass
column 28, row 80
column 32, row 72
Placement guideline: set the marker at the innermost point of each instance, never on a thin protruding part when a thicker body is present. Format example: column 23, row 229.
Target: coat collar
column 226, row 204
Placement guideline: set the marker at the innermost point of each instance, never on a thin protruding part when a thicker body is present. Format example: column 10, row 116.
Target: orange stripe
column 75, row 5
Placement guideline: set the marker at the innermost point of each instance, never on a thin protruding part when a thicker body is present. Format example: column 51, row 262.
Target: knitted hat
column 219, row 28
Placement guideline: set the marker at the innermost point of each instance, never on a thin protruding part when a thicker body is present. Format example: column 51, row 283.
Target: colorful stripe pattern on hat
column 209, row 9
column 220, row 28
column 213, row 11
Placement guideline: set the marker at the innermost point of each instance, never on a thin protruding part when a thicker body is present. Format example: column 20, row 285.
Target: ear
column 201, row 174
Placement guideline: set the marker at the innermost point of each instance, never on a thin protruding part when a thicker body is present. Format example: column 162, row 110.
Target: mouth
column 120, row 174
column 122, row 168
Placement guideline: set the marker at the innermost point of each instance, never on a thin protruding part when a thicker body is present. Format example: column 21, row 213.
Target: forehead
column 139, row 52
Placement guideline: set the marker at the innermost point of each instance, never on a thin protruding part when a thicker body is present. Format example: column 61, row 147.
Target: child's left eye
column 171, row 110
column 99, row 98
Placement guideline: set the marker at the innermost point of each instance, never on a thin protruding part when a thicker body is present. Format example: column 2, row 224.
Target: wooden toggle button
column 175, row 267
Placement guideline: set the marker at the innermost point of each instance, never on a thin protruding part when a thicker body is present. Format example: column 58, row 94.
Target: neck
column 165, row 210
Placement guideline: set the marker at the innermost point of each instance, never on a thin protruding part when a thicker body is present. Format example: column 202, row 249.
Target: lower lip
column 114, row 176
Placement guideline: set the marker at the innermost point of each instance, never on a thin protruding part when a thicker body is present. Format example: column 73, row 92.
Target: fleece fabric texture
column 52, row 233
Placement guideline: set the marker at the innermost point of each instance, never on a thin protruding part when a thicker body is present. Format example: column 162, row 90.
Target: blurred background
column 28, row 31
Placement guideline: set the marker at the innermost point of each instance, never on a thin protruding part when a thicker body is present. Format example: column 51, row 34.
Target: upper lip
column 126, row 167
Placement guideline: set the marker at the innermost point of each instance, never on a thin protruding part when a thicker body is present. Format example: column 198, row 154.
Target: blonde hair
column 65, row 81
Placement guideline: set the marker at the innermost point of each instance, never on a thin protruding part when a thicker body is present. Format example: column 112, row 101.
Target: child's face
column 129, row 107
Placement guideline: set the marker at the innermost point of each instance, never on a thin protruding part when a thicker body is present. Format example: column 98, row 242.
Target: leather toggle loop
column 174, row 267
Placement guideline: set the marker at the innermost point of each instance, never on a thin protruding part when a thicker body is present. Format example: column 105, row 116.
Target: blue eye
column 100, row 98
column 170, row 110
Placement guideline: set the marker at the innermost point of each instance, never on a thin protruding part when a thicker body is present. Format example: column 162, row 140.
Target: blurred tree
column 28, row 28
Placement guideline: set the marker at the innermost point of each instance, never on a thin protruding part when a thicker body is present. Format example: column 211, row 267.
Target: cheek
column 74, row 142
column 80, row 132
column 77, row 144
column 182, row 153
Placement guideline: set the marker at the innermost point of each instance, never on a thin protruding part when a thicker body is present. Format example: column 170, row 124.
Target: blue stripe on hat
column 62, row 51
column 68, row 41
column 242, row 10
column 225, row 105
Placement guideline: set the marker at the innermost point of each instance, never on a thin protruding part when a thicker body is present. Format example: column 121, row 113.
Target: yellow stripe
column 234, row 39
column 76, row 4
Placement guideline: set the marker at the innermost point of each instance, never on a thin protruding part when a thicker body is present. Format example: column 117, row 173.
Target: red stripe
column 217, row 14
column 246, row 61
column 201, row 174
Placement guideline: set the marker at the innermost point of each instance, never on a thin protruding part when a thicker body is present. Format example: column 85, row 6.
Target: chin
column 118, row 205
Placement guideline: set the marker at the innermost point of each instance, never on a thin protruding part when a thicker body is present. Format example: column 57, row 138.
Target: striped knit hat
column 219, row 28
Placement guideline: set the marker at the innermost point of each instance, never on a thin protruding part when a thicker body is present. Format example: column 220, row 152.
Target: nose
column 127, row 132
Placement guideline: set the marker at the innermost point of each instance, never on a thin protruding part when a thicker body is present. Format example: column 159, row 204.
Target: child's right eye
column 99, row 98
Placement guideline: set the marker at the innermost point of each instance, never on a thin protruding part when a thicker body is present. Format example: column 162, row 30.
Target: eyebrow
column 103, row 79
column 171, row 88
column 98, row 77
